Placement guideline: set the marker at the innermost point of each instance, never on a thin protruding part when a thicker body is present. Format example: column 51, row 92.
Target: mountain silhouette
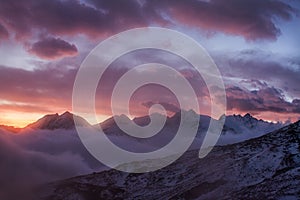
column 56, row 121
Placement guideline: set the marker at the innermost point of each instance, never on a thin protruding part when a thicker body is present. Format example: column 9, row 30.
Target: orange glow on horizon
column 18, row 119
column 22, row 119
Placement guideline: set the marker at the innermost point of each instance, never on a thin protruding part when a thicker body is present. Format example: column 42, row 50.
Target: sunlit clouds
column 254, row 44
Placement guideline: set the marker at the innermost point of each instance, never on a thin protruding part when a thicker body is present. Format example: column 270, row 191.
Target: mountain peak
column 56, row 121
column 66, row 113
column 267, row 166
column 248, row 115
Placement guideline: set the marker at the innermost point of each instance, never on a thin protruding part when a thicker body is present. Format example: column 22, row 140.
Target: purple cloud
column 255, row 69
column 3, row 33
column 34, row 158
column 68, row 17
column 267, row 99
column 251, row 19
column 48, row 87
column 168, row 106
column 53, row 48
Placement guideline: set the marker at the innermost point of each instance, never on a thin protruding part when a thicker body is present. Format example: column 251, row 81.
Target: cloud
column 267, row 99
column 69, row 17
column 32, row 158
column 22, row 107
column 41, row 87
column 168, row 106
column 296, row 102
column 23, row 168
column 247, row 68
column 53, row 48
column 129, row 14
column 254, row 83
column 56, row 17
column 3, row 33
column 51, row 85
column 251, row 19
column 26, row 95
column 145, row 93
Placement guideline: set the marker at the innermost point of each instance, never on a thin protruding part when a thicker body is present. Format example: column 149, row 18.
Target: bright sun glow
column 19, row 119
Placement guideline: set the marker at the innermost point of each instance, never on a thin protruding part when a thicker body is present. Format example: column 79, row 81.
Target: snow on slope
column 237, row 128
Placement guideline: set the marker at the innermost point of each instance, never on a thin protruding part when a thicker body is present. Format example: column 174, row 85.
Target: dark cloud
column 56, row 17
column 53, row 48
column 296, row 102
column 252, row 19
column 266, row 99
column 70, row 17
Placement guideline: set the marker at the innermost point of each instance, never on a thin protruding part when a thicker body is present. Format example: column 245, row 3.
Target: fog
column 31, row 158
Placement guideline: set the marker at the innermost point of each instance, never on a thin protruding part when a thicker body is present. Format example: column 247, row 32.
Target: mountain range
column 237, row 128
column 66, row 121
column 234, row 124
column 254, row 159
column 267, row 167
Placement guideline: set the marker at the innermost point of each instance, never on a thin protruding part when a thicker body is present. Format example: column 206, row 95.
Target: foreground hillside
column 267, row 167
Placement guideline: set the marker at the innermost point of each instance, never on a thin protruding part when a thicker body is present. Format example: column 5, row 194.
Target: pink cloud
column 50, row 90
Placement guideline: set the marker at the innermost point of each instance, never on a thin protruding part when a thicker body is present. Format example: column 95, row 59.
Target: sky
column 254, row 43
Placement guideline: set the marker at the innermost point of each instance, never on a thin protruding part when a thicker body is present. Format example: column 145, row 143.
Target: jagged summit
column 234, row 124
column 237, row 124
column 56, row 121
column 247, row 115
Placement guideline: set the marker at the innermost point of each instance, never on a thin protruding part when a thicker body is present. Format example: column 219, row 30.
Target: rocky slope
column 267, row 167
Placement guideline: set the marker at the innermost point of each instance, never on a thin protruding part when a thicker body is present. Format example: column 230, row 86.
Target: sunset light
column 149, row 99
